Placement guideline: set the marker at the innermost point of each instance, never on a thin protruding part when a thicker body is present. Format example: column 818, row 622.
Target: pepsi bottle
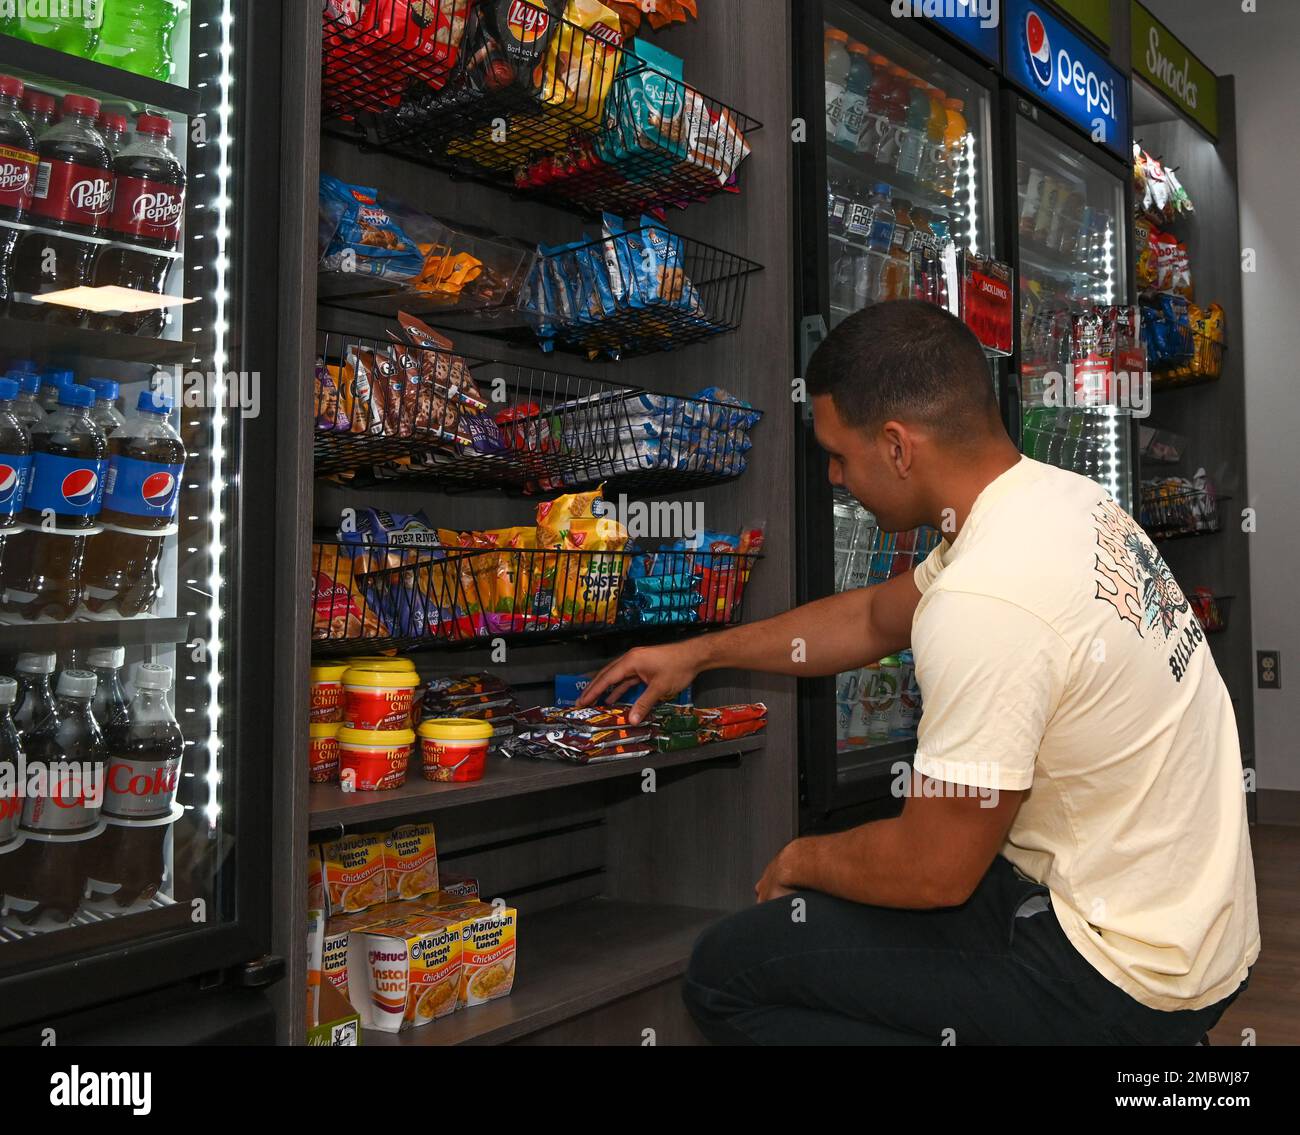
column 147, row 211
column 17, row 173
column 144, row 754
column 140, row 498
column 52, row 383
column 26, row 408
column 42, row 564
column 104, row 412
column 15, row 457
column 35, row 700
column 73, row 196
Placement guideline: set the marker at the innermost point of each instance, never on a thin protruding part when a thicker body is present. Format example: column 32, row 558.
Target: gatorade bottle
column 42, row 564
column 35, row 701
column 836, row 62
column 147, row 211
column 915, row 137
column 52, row 384
column 113, row 128
column 74, row 33
column 111, row 705
column 935, row 126
column 26, row 408
column 50, row 874
column 136, row 36
column 74, row 193
column 40, row 109
column 891, row 133
column 140, row 500
column 855, row 96
column 144, row 769
column 878, row 95
column 105, row 413
column 17, row 173
column 954, row 146
column 15, row 456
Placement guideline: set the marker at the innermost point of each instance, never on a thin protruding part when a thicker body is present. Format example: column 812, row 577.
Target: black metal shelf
column 28, row 337
column 72, row 73
column 906, row 186
column 47, row 637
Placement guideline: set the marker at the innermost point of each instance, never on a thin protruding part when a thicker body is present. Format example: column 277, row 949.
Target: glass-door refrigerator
column 135, row 331
column 894, row 184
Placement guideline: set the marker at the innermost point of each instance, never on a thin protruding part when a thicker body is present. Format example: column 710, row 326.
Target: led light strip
column 219, row 328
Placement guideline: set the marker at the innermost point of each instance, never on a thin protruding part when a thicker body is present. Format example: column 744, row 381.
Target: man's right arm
column 827, row 636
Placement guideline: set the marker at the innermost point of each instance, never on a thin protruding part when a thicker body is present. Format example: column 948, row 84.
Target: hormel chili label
column 149, row 209
column 65, row 191
column 141, row 790
column 17, row 177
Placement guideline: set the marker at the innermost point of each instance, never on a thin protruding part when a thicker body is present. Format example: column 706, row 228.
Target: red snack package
column 717, row 716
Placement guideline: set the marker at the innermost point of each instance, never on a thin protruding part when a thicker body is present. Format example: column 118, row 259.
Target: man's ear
column 900, row 447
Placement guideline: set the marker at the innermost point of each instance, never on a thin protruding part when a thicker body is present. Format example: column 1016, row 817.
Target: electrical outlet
column 1268, row 669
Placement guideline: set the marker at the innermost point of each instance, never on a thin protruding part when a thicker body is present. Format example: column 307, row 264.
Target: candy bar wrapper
column 464, row 685
column 674, row 742
column 591, row 718
column 732, row 732
column 579, row 738
column 716, row 716
column 674, row 719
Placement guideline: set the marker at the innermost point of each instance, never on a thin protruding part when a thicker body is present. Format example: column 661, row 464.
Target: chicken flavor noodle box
column 454, row 748
column 373, row 760
column 378, row 699
column 405, row 972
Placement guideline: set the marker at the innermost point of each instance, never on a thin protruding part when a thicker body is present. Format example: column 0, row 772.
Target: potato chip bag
column 553, row 516
column 587, row 586
column 340, row 608
column 581, row 59
column 514, row 570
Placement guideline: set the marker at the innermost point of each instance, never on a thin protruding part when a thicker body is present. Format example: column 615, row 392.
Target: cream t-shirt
column 1055, row 652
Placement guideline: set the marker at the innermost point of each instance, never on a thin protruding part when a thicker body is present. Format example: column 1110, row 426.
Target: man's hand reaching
column 666, row 670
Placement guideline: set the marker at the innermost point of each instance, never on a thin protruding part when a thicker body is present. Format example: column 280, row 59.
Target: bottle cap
column 105, row 388
column 57, row 377
column 883, row 189
column 8, row 691
column 77, row 684
column 72, row 395
column 81, row 104
column 153, row 676
column 153, row 124
column 8, row 390
column 36, row 663
column 154, row 402
column 110, row 121
column 106, row 656
column 11, row 87
column 31, row 383
column 38, row 102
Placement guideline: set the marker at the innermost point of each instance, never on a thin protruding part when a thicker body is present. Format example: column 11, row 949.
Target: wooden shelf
column 330, row 806
column 66, row 72
column 572, row 959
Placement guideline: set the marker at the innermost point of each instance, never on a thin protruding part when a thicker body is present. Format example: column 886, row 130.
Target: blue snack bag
column 366, row 239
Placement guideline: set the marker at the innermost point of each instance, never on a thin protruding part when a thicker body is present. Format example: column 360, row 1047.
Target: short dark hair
column 909, row 360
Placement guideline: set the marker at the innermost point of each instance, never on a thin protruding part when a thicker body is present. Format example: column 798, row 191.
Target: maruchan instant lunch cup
column 373, row 760
column 454, row 748
column 323, row 761
column 378, row 699
column 327, row 693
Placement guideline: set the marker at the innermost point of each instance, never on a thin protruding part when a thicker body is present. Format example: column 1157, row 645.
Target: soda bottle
column 855, row 96
column 42, row 564
column 40, row 109
column 49, row 872
column 105, row 412
column 61, row 26
column 15, row 456
column 837, row 62
column 144, row 481
column 146, row 211
column 17, row 173
column 52, row 384
column 73, row 195
column 26, row 408
column 144, row 768
column 111, row 705
column 11, row 758
column 135, row 35
column 113, row 128
column 912, row 150
column 35, row 698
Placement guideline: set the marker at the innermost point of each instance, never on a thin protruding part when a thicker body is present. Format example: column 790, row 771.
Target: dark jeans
column 996, row 970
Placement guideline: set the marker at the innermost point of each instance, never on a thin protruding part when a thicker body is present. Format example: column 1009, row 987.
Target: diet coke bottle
column 144, row 768
column 147, row 212
column 72, row 199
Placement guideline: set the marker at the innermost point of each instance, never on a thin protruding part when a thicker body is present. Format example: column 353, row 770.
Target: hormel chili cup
column 323, row 759
column 327, row 693
column 454, row 748
column 372, row 760
column 378, row 699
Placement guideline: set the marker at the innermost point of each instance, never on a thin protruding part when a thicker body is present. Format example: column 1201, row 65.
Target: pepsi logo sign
column 79, row 487
column 1040, row 48
column 157, row 489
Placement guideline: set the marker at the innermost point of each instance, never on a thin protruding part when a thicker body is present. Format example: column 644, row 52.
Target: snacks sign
column 1174, row 71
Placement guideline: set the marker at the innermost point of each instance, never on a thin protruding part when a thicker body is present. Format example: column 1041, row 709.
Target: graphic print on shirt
column 1133, row 577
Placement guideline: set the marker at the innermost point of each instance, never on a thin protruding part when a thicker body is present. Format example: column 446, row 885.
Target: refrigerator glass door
column 134, row 843
column 1080, row 370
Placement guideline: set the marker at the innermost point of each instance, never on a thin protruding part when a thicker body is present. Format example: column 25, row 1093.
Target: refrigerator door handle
column 812, row 332
column 260, row 972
